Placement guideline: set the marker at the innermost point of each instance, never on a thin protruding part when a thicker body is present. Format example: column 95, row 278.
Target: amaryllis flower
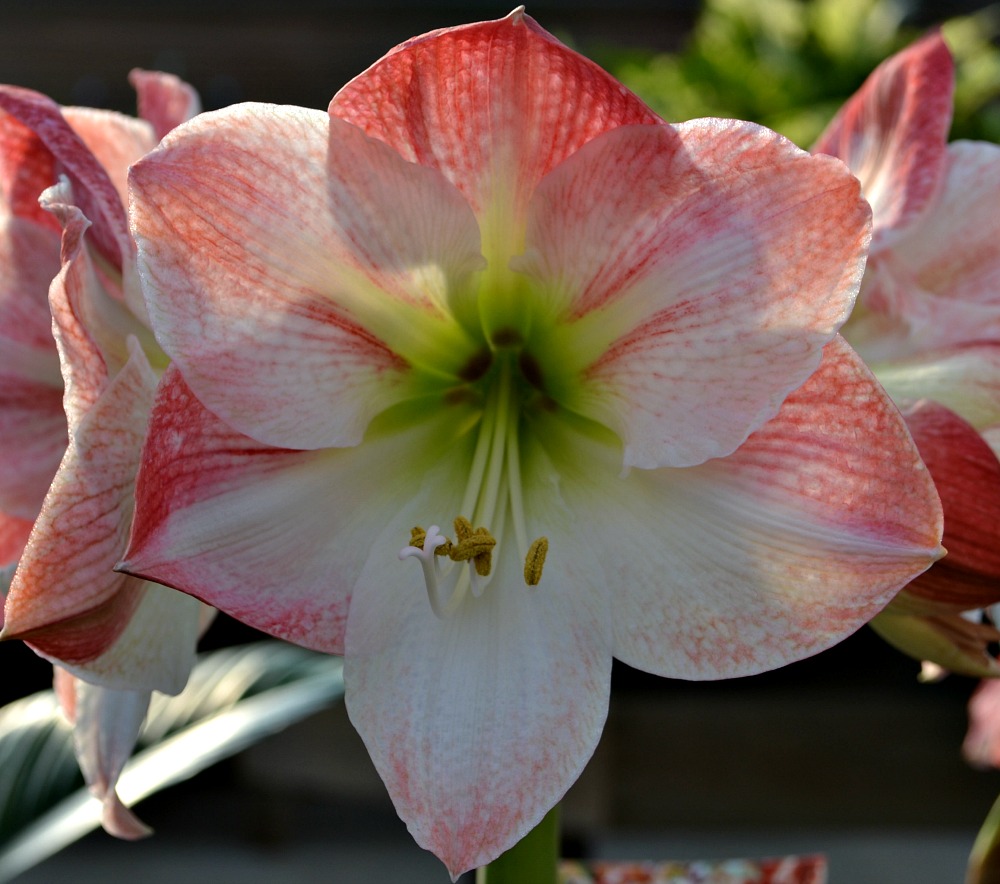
column 65, row 170
column 928, row 324
column 487, row 376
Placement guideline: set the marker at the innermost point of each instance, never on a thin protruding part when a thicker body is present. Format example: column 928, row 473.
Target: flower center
column 493, row 496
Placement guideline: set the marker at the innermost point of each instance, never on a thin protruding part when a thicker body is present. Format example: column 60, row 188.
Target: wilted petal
column 164, row 100
column 479, row 739
column 792, row 543
column 892, row 132
column 495, row 106
column 323, row 275
column 105, row 727
column 731, row 254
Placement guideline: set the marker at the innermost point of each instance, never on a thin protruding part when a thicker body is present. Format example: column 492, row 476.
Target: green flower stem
column 533, row 860
column 984, row 862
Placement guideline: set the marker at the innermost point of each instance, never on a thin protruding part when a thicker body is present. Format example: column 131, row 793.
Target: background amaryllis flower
column 928, row 324
column 492, row 296
column 120, row 636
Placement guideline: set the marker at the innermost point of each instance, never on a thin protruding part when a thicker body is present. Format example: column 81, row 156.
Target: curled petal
column 95, row 194
column 730, row 253
column 65, row 599
column 893, row 130
column 531, row 101
column 26, row 169
column 325, row 275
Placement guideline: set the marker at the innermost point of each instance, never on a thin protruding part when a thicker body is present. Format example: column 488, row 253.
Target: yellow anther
column 534, row 561
column 475, row 544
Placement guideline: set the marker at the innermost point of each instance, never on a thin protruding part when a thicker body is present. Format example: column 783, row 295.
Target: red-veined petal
column 495, row 106
column 164, row 100
column 892, row 132
column 698, row 272
column 321, row 276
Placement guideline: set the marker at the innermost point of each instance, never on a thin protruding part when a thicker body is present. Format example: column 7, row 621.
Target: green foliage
column 790, row 64
column 234, row 698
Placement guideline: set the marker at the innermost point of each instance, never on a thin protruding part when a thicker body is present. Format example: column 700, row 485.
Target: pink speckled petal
column 480, row 722
column 892, row 132
column 288, row 259
column 695, row 274
column 495, row 106
column 274, row 537
column 793, row 542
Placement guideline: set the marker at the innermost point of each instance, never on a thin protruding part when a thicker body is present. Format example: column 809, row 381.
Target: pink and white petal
column 65, row 598
column 533, row 100
column 26, row 169
column 156, row 649
column 955, row 249
column 966, row 474
column 288, row 258
column 93, row 190
column 164, row 100
column 777, row 552
column 892, row 133
column 116, row 140
column 105, row 731
column 277, row 538
column 477, row 723
column 965, row 378
column 727, row 253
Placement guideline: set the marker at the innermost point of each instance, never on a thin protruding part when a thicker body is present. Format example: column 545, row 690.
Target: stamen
column 534, row 561
column 475, row 545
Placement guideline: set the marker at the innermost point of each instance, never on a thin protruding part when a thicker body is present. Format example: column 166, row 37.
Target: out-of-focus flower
column 928, row 324
column 122, row 637
column 490, row 286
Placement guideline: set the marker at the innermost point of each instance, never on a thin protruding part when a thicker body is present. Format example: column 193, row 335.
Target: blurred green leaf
column 234, row 698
